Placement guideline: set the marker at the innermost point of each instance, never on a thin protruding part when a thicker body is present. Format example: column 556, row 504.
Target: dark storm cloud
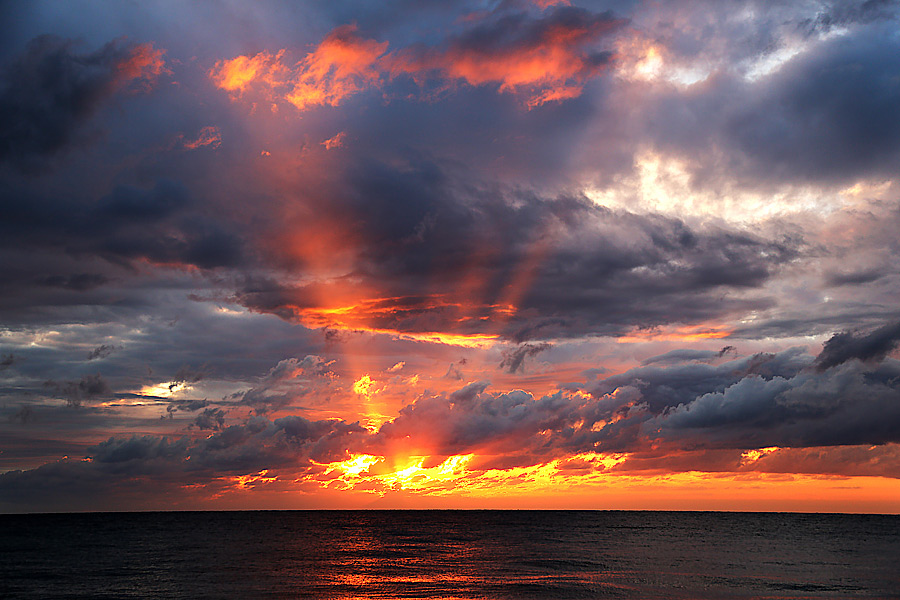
column 154, row 466
column 60, row 255
column 189, row 375
column 827, row 115
column 662, row 387
column 161, row 224
column 210, row 418
column 48, row 93
column 752, row 402
column 570, row 266
column 288, row 381
column 89, row 388
column 842, row 406
column 846, row 346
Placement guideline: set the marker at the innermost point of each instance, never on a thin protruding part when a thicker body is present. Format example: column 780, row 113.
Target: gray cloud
column 514, row 360
column 288, row 381
column 102, row 351
column 88, row 389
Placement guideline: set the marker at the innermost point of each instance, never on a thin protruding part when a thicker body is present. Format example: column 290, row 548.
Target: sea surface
column 449, row 554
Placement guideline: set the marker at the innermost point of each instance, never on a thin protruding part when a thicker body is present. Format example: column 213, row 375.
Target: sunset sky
column 450, row 253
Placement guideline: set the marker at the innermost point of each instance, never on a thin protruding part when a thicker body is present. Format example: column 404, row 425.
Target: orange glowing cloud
column 343, row 64
column 209, row 136
column 142, row 67
column 548, row 59
column 238, row 74
column 554, row 95
column 335, row 142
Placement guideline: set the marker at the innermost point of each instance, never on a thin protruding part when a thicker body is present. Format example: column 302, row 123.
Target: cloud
column 156, row 468
column 514, row 360
column 335, row 142
column 549, row 56
column 76, row 393
column 751, row 402
column 872, row 346
column 49, row 92
column 680, row 418
column 822, row 116
column 159, row 224
column 411, row 207
column 842, row 406
column 286, row 382
column 682, row 355
column 432, row 252
column 342, row 64
column 237, row 74
column 210, row 418
column 24, row 415
column 102, row 351
column 207, row 137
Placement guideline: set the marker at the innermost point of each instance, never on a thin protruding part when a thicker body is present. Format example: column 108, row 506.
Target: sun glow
column 355, row 466
column 398, row 316
column 363, row 386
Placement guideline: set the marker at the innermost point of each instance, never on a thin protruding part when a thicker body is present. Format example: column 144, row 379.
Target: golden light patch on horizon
column 751, row 456
column 165, row 389
column 680, row 334
column 248, row 481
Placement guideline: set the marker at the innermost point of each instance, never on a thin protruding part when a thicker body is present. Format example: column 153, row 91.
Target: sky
column 450, row 254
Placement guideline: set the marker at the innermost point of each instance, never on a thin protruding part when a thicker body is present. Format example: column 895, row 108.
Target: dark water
column 449, row 554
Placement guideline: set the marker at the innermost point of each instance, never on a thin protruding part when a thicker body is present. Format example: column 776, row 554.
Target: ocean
column 449, row 554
